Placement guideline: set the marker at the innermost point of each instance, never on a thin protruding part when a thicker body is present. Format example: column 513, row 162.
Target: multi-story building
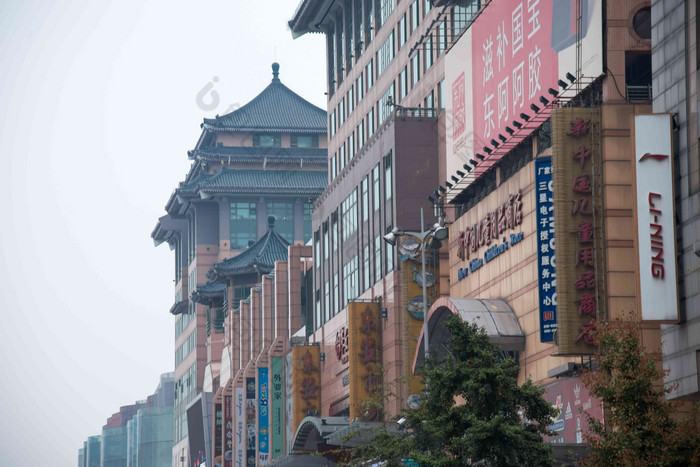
column 674, row 63
column 267, row 158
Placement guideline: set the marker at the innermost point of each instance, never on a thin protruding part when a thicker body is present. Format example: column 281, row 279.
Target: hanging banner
column 512, row 54
column 263, row 417
column 250, row 421
column 240, row 426
column 277, row 406
column 546, row 257
column 577, row 212
column 656, row 229
column 365, row 358
column 289, row 426
column 307, row 382
column 228, row 431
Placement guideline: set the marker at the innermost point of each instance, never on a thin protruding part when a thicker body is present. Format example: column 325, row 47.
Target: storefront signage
column 218, row 429
column 263, row 417
column 307, row 382
column 341, row 344
column 546, row 256
column 250, row 420
column 277, row 406
column 508, row 58
column 656, row 231
column 578, row 270
column 228, row 430
column 490, row 254
column 365, row 347
column 240, row 433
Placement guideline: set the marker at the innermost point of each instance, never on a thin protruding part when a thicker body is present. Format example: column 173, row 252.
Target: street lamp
column 433, row 237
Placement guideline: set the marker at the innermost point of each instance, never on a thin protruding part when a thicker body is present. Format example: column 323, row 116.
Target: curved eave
column 209, row 192
column 222, row 128
column 309, row 16
column 179, row 307
column 221, row 274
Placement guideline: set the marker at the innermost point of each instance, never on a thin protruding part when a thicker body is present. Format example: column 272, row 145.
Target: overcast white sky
column 98, row 107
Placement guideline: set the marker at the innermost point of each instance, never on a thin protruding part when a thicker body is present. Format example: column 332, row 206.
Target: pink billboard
column 510, row 56
column 574, row 402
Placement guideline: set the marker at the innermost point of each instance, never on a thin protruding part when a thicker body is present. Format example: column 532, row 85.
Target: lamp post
column 437, row 232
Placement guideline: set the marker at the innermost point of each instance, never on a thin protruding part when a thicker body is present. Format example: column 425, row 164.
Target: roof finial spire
column 275, row 72
column 271, row 221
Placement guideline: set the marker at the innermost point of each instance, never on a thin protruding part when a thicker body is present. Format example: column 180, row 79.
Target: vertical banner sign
column 289, row 399
column 218, row 429
column 250, row 420
column 240, row 433
column 263, row 417
column 277, row 406
column 228, row 430
column 656, row 230
column 578, row 273
column 307, row 382
column 546, row 257
column 365, row 347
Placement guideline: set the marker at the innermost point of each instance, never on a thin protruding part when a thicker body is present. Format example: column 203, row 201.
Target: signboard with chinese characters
column 228, row 431
column 510, row 56
column 240, row 439
column 546, row 257
column 277, row 406
column 365, row 358
column 263, row 417
column 578, row 212
column 250, row 420
column 307, row 382
column 289, row 426
column 656, row 232
column 218, row 429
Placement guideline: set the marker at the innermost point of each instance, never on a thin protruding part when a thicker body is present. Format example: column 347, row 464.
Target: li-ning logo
column 658, row 157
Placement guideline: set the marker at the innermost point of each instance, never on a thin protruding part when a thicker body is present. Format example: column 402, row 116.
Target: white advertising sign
column 656, row 232
column 510, row 56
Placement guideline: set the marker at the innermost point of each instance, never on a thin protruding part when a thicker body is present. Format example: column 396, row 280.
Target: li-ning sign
column 655, row 217
column 507, row 217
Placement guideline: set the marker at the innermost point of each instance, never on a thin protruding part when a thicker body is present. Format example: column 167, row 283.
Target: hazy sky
column 98, row 107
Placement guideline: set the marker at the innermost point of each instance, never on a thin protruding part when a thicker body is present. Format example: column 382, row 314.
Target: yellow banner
column 364, row 341
column 306, row 376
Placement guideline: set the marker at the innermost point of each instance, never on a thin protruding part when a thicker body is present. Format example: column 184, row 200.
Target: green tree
column 639, row 427
column 472, row 410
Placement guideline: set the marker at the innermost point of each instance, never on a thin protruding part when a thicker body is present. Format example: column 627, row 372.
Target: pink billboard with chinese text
column 510, row 56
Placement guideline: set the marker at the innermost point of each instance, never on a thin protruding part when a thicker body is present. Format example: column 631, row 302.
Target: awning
column 313, row 431
column 359, row 433
column 494, row 315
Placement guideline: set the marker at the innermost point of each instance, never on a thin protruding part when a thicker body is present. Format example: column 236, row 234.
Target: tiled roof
column 204, row 294
column 179, row 307
column 276, row 108
column 259, row 257
column 264, row 181
column 228, row 154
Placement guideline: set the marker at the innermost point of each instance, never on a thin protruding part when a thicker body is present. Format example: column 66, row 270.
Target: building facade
column 267, row 158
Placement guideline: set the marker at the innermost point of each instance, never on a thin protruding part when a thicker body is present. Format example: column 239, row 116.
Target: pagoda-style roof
column 229, row 154
column 276, row 108
column 179, row 307
column 207, row 293
column 259, row 257
column 311, row 16
column 166, row 227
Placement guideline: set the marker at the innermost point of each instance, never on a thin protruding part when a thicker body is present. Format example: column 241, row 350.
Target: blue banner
column 263, row 417
column 546, row 258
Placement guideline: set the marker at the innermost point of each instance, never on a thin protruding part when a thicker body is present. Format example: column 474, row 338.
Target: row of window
column 185, row 390
column 274, row 140
column 186, row 348
column 182, row 323
column 350, row 237
column 243, row 220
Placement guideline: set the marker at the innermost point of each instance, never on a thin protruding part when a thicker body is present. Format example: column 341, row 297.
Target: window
column 334, row 166
column 428, row 52
column 388, row 178
column 267, row 140
column 327, row 300
column 243, row 223
column 366, row 268
column 370, row 123
column 441, row 94
column 308, row 209
column 351, row 99
column 360, row 86
column 385, row 9
column 361, row 134
column 364, row 187
column 384, row 108
column 284, row 219
column 341, row 112
column 331, row 123
column 426, row 7
column 385, row 54
column 369, row 18
column 430, row 100
column 359, row 29
column 378, row 258
column 351, row 146
column 304, row 141
column 334, row 231
column 369, row 73
column 341, row 157
column 415, row 19
column 317, row 321
column 348, row 210
column 389, row 253
column 402, row 31
column 442, row 36
column 403, row 83
column 462, row 17
column 415, row 69
column 351, row 287
column 317, row 249
column 326, row 246
column 336, row 294
column 376, row 195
